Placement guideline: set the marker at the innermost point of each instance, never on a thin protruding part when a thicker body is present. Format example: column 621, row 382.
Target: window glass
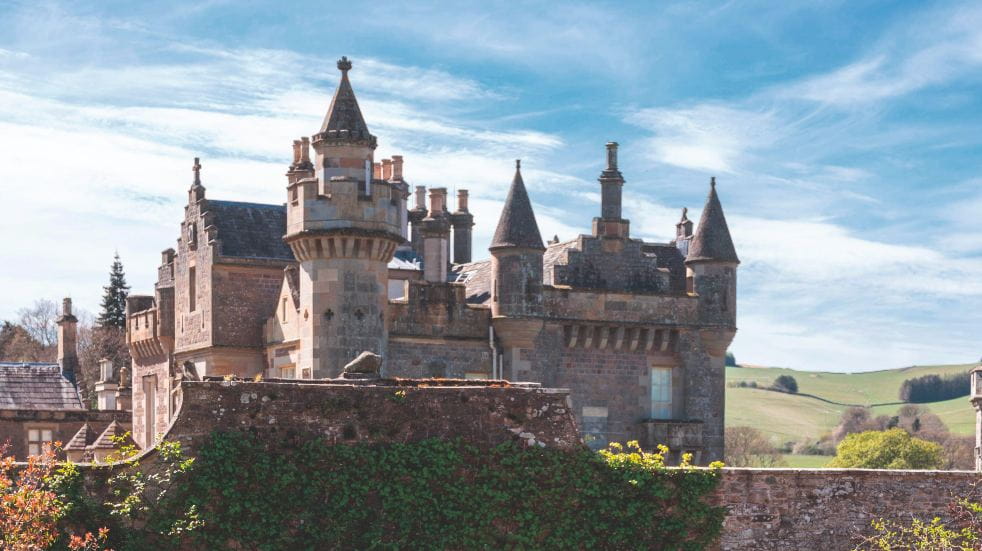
column 36, row 438
column 661, row 393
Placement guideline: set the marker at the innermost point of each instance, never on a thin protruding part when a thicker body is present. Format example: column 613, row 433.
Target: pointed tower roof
column 105, row 440
column 82, row 439
column 517, row 226
column 343, row 119
column 712, row 239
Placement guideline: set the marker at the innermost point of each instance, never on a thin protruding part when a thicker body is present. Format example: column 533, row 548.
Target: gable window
column 37, row 438
column 283, row 315
column 661, row 392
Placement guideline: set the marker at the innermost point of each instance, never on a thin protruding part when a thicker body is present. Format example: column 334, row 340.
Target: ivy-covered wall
column 246, row 492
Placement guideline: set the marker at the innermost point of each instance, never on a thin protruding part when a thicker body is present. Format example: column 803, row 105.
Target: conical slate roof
column 82, row 439
column 517, row 226
column 712, row 239
column 344, row 113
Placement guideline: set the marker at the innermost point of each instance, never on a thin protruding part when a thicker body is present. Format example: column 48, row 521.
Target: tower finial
column 712, row 181
column 685, row 213
column 197, row 171
column 344, row 65
column 518, row 164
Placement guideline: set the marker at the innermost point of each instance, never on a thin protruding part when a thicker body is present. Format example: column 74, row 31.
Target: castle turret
column 516, row 256
column 610, row 223
column 462, row 221
column 711, row 264
column 343, row 227
column 67, row 341
column 435, row 232
column 516, row 266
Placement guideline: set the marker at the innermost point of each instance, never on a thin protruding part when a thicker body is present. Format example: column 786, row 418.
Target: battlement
column 344, row 205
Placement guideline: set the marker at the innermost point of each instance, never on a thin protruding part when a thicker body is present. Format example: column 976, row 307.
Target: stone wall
column 15, row 423
column 243, row 298
column 386, row 410
column 451, row 358
column 617, row 265
column 824, row 508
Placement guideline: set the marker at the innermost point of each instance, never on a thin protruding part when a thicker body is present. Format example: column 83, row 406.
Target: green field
column 789, row 417
column 805, row 461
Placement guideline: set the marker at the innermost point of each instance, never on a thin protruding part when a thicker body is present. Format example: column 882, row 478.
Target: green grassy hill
column 789, row 417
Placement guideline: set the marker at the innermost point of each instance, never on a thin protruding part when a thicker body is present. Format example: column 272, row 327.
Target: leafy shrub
column 785, row 383
column 748, row 447
column 730, row 360
column 963, row 532
column 889, row 449
column 935, row 388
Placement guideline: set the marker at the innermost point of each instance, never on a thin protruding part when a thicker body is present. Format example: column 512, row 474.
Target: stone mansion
column 636, row 330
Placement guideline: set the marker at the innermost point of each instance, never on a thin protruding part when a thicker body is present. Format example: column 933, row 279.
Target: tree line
column 33, row 335
column 935, row 388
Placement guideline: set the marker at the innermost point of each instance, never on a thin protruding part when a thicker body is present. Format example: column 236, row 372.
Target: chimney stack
column 305, row 150
column 386, row 169
column 106, row 387
column 462, row 221
column 296, row 153
column 609, row 223
column 397, row 167
column 436, row 238
column 67, row 341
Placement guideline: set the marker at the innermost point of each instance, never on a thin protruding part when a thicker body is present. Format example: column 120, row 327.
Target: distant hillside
column 789, row 417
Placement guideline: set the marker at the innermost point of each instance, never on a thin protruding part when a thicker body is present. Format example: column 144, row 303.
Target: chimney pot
column 438, row 201
column 421, row 197
column 462, row 200
column 611, row 155
column 386, row 169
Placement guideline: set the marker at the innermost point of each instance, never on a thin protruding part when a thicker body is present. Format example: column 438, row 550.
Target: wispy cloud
column 937, row 47
column 710, row 137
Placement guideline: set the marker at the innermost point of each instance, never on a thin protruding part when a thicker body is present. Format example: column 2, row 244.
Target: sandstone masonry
column 636, row 330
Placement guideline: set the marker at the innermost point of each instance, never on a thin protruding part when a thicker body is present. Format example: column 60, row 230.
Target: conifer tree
column 113, row 312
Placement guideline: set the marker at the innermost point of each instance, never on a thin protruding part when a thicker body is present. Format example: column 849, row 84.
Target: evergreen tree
column 113, row 312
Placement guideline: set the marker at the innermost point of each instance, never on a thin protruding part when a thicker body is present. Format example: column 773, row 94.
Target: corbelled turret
column 516, row 256
column 343, row 226
column 711, row 267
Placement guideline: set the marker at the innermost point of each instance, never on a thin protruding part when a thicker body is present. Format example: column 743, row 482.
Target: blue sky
column 844, row 136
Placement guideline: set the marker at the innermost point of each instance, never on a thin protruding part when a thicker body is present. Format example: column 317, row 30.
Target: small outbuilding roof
column 36, row 386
